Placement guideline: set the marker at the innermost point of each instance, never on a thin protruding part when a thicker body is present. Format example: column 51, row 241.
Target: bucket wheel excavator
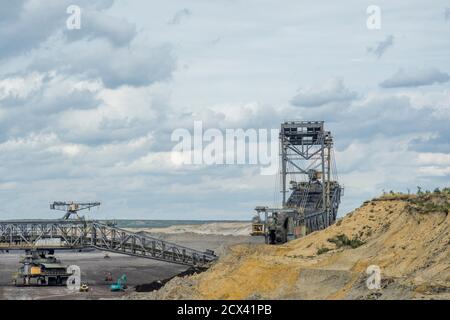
column 310, row 189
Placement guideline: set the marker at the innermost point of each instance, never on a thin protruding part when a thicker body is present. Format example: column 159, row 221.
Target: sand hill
column 408, row 237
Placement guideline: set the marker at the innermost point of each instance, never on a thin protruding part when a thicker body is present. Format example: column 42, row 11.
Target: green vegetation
column 394, row 196
column 323, row 250
column 426, row 201
column 342, row 240
column 436, row 191
column 429, row 203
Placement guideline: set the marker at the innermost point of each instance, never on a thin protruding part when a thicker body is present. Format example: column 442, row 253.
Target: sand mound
column 408, row 237
column 219, row 228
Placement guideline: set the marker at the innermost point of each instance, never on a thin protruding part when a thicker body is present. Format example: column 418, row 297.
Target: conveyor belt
column 79, row 234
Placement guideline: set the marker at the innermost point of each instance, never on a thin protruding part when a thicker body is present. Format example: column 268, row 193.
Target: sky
column 86, row 114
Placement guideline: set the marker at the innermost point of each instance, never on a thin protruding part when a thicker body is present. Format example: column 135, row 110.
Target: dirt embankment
column 215, row 228
column 408, row 237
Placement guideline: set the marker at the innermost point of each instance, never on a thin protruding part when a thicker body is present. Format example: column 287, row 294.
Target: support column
column 328, row 182
column 283, row 166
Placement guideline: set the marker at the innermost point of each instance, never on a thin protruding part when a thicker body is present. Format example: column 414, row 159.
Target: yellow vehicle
column 84, row 287
column 257, row 229
column 257, row 226
column 38, row 269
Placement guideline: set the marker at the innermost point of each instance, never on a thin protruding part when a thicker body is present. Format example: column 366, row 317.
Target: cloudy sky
column 87, row 114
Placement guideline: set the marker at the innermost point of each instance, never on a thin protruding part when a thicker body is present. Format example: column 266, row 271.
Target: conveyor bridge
column 81, row 234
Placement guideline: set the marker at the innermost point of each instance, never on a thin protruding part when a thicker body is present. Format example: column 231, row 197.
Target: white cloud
column 20, row 87
column 133, row 65
column 122, row 114
column 331, row 91
column 179, row 16
column 8, row 186
column 36, row 21
column 434, row 171
column 99, row 25
column 382, row 46
column 434, row 158
column 415, row 78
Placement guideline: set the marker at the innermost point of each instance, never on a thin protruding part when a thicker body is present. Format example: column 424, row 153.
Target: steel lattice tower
column 310, row 191
column 306, row 157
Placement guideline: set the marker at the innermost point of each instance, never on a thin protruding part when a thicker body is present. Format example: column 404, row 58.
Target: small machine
column 108, row 277
column 84, row 287
column 120, row 285
column 71, row 208
column 278, row 225
column 258, row 227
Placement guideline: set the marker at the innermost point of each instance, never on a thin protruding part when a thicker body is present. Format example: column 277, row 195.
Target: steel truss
column 79, row 234
column 306, row 156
